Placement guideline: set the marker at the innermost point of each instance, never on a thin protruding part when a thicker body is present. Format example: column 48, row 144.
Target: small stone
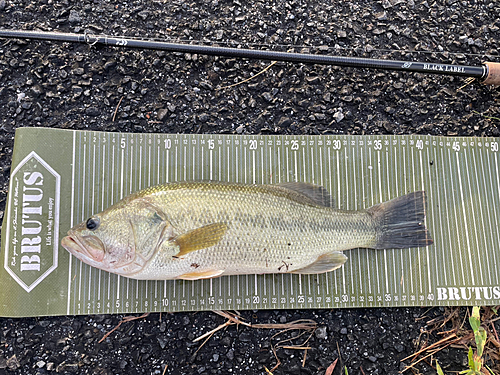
column 399, row 348
column 240, row 129
column 78, row 71
column 245, row 337
column 92, row 111
column 381, row 16
column 40, row 364
column 338, row 116
column 230, row 354
column 74, row 16
column 2, row 5
column 144, row 15
column 50, row 366
column 343, row 331
column 372, row 358
column 284, row 121
column 37, row 90
column 267, row 96
column 13, row 363
column 341, row 34
column 204, row 117
column 321, row 333
column 215, row 357
column 109, row 64
column 313, row 80
column 161, row 113
column 162, row 342
column 388, row 126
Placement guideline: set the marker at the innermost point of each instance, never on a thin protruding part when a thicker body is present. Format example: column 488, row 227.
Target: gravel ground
column 79, row 87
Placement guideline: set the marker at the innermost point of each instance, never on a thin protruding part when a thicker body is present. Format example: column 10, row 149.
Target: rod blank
column 488, row 73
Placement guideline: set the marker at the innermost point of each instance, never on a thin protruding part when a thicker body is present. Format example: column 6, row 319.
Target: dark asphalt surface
column 73, row 86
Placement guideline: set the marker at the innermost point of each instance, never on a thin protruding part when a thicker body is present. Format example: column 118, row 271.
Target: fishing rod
column 488, row 73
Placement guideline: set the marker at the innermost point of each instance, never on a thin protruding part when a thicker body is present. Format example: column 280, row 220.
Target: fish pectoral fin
column 201, row 275
column 325, row 263
column 200, row 238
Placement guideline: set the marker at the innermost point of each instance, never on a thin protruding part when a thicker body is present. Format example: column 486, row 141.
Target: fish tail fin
column 401, row 222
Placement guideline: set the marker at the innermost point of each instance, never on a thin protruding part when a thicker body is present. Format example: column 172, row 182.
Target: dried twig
column 124, row 320
column 248, row 79
column 305, row 325
column 427, row 348
column 116, row 110
column 467, row 82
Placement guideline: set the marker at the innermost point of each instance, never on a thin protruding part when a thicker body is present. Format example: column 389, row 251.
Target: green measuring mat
column 61, row 177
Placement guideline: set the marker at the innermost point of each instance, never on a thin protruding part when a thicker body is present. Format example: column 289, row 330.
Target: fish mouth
column 71, row 245
column 84, row 252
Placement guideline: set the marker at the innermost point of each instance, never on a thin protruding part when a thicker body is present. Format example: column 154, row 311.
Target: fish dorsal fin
column 315, row 193
column 201, row 275
column 325, row 263
column 200, row 238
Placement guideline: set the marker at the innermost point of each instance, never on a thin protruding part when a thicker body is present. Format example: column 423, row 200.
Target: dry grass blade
column 467, row 82
column 117, row 106
column 459, row 336
column 304, row 325
column 124, row 320
column 248, row 79
column 295, row 347
column 427, row 348
column 210, row 333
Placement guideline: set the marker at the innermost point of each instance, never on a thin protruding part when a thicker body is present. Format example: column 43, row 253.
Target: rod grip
column 493, row 77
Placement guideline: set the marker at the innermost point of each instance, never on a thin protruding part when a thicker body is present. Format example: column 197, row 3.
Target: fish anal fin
column 201, row 275
column 315, row 193
column 200, row 238
column 325, row 263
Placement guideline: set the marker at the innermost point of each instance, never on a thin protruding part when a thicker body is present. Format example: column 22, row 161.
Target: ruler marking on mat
column 471, row 269
column 495, row 228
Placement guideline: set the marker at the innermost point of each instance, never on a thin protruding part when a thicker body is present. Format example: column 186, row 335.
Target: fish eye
column 92, row 223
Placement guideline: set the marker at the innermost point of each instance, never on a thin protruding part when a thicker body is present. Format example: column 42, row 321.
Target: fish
column 200, row 230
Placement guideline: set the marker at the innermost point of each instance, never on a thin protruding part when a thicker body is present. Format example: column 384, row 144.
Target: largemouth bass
column 197, row 230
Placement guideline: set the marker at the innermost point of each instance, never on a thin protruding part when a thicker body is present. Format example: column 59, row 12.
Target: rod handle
column 493, row 74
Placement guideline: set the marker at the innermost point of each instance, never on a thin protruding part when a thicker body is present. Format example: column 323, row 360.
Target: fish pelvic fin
column 400, row 222
column 200, row 238
column 325, row 263
column 201, row 275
